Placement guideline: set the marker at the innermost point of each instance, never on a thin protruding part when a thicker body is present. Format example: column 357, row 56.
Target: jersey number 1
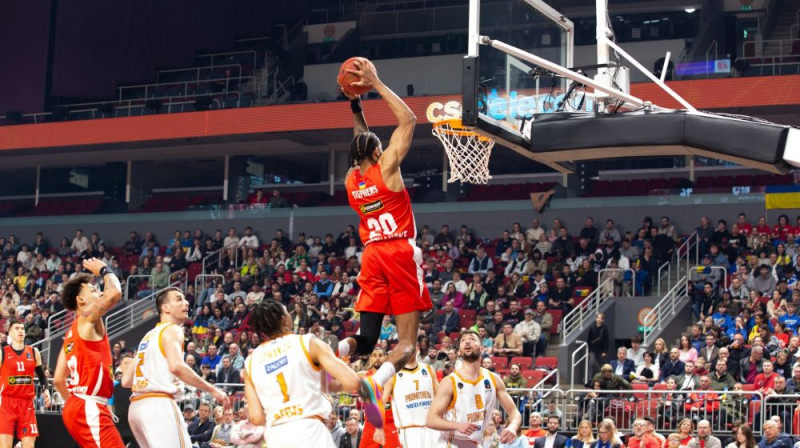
column 383, row 224
column 284, row 389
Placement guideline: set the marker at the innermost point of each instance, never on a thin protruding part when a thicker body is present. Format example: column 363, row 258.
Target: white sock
column 384, row 374
column 344, row 348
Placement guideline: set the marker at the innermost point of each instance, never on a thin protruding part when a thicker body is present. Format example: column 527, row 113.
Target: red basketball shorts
column 18, row 417
column 389, row 431
column 391, row 279
column 91, row 424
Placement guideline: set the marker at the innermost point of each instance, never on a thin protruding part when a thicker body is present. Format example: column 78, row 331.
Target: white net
column 467, row 151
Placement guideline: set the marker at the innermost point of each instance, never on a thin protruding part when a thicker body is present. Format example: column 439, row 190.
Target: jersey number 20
column 383, row 224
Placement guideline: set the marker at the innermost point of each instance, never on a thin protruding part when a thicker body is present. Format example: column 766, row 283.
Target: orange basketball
column 346, row 79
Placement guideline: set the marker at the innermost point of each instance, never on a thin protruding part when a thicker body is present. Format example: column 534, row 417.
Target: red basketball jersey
column 385, row 214
column 17, row 373
column 89, row 364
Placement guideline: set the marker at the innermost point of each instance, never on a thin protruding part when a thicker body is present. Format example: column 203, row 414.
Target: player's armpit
column 322, row 354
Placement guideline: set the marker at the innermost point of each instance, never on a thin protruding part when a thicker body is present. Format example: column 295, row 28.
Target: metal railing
column 212, row 56
column 784, row 47
column 666, row 407
column 183, row 86
column 588, row 309
column 150, row 284
column 582, row 347
column 622, row 282
column 664, row 310
column 57, row 325
column 198, row 288
column 665, row 268
column 220, row 254
column 138, row 311
column 715, row 46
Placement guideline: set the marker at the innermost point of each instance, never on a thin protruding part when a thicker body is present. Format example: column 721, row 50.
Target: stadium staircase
column 667, row 318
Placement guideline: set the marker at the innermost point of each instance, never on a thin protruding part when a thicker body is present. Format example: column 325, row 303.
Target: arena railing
column 211, row 65
column 200, row 282
column 214, row 259
column 137, row 311
column 57, row 325
column 587, row 310
column 581, row 350
column 667, row 408
column 623, row 282
column 666, row 308
column 150, row 284
column 148, row 88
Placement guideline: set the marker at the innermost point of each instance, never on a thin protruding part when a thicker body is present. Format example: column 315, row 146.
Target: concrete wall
column 436, row 75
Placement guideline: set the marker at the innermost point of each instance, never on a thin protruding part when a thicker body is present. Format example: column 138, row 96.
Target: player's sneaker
column 371, row 393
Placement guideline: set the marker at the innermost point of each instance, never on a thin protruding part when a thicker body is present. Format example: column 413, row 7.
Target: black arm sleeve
column 40, row 374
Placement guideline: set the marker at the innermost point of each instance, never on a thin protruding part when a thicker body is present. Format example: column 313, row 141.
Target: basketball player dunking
column 18, row 362
column 283, row 381
column 84, row 374
column 466, row 398
column 156, row 375
column 391, row 268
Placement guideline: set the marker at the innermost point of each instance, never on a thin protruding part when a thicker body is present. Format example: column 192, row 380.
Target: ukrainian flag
column 782, row 196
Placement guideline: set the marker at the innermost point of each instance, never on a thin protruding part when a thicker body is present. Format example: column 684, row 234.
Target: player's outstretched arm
column 360, row 121
column 111, row 295
column 441, row 401
column 60, row 376
column 172, row 340
column 514, row 419
column 400, row 142
column 255, row 411
column 322, row 354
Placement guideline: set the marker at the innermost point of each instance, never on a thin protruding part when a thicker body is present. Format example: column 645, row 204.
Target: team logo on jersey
column 275, row 365
column 486, row 384
column 424, row 372
column 371, row 207
column 400, row 374
column 68, row 348
column 364, row 191
column 460, row 385
column 28, row 355
column 362, row 185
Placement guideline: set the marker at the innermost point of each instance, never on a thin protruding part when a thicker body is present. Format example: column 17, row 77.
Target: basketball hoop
column 467, row 151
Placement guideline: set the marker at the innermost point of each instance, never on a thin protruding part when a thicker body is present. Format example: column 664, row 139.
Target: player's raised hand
column 221, row 397
column 349, row 95
column 367, row 73
column 93, row 265
column 507, row 436
column 467, row 428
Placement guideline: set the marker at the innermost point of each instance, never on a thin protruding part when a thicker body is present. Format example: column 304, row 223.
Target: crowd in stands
column 513, row 289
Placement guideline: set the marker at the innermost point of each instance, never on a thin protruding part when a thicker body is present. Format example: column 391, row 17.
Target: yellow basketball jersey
column 412, row 394
column 152, row 370
column 473, row 402
column 288, row 384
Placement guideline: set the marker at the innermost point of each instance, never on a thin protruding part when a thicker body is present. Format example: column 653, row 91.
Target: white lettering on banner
column 502, row 106
column 369, row 191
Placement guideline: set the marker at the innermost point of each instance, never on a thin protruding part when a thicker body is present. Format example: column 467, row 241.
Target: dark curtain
column 101, row 43
column 24, row 36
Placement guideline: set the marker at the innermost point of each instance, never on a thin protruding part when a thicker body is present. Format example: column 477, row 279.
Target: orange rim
column 454, row 127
